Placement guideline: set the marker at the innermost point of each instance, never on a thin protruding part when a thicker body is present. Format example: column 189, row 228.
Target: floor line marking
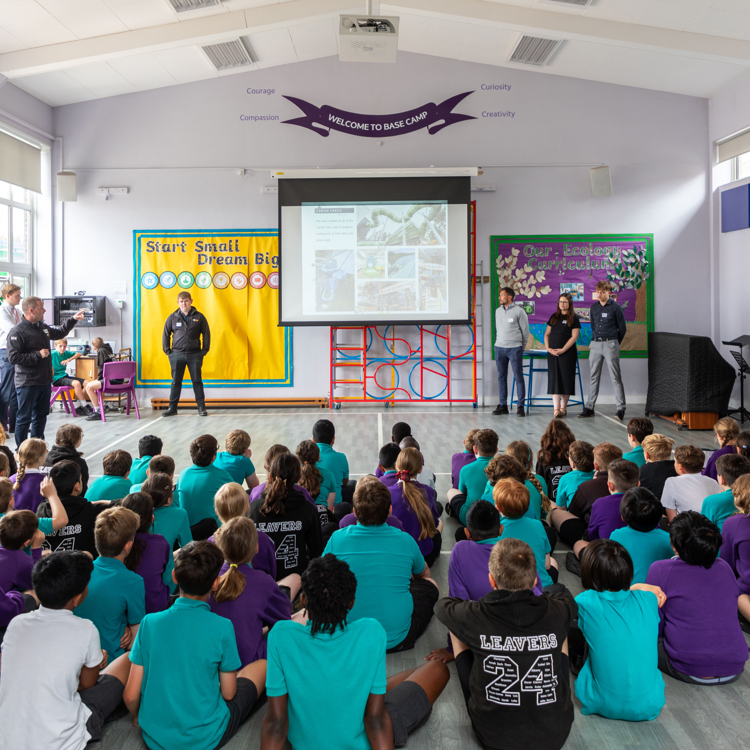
column 611, row 419
column 380, row 429
column 149, row 423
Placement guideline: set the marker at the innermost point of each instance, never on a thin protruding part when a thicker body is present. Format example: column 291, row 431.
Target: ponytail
column 238, row 541
column 408, row 465
column 31, row 451
column 546, row 502
column 284, row 473
column 310, row 477
column 142, row 504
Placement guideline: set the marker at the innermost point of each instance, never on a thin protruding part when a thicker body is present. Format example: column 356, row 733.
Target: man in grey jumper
column 512, row 327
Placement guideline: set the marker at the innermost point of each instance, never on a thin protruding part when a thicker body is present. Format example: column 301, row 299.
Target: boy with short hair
column 79, row 692
column 60, row 376
column 351, row 518
column 104, row 354
column 639, row 428
column 68, row 440
column 581, row 459
column 349, row 660
column 399, row 432
column 471, row 479
column 18, row 530
column 235, row 460
column 466, row 456
column 184, row 688
column 659, row 466
column 116, row 602
column 689, row 488
column 324, row 434
column 535, row 709
column 148, row 447
column 114, row 484
column 387, row 464
column 394, row 581
column 729, row 468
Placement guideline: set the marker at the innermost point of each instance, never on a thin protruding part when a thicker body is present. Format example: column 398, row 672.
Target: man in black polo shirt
column 181, row 342
column 607, row 332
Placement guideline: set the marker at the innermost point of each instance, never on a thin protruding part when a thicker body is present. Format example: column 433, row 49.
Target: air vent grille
column 228, row 55
column 184, row 5
column 535, row 51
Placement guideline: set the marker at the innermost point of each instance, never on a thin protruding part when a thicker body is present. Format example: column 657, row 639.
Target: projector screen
column 371, row 251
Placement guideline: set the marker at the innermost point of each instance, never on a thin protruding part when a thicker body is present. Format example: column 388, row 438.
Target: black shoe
column 500, row 409
column 94, row 416
column 84, row 411
column 520, row 411
column 620, row 414
column 573, row 564
column 170, row 412
column 202, row 411
column 586, row 413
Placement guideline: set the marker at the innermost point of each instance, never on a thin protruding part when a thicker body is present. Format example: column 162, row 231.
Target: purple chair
column 63, row 391
column 118, row 371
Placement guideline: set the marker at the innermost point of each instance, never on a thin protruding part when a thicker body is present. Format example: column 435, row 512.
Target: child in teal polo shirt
column 581, row 459
column 472, row 478
column 614, row 654
column 345, row 661
column 116, row 602
column 235, row 460
column 184, row 688
column 324, row 434
column 148, row 447
column 729, row 467
column 639, row 428
column 115, row 484
column 199, row 483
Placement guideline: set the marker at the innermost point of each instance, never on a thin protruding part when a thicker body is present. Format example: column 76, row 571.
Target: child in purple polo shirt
column 413, row 504
column 249, row 598
column 26, row 482
column 700, row 639
column 466, row 456
column 726, row 431
column 18, row 529
column 387, row 462
column 735, row 548
column 271, row 454
column 149, row 554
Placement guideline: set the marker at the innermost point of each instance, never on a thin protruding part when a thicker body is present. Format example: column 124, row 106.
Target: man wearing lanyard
column 512, row 327
column 181, row 342
column 608, row 329
column 9, row 317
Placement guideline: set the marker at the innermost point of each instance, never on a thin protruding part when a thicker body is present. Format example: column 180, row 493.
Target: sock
column 80, row 404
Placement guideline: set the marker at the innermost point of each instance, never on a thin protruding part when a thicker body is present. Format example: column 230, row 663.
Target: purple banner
column 434, row 117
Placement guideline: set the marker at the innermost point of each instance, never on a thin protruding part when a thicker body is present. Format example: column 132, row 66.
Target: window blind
column 733, row 146
column 20, row 163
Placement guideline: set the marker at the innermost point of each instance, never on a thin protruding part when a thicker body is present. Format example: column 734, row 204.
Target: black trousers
column 194, row 362
column 33, row 408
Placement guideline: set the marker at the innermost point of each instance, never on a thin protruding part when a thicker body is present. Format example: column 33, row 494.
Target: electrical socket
column 269, row 189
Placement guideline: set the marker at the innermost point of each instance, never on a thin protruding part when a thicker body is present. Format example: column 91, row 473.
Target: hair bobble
column 403, row 475
column 233, row 565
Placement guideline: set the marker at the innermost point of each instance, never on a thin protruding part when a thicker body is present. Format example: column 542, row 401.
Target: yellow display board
column 232, row 276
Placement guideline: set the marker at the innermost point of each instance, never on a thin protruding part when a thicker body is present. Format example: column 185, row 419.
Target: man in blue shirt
column 608, row 329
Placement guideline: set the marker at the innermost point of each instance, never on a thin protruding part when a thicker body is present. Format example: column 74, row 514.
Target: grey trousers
column 598, row 352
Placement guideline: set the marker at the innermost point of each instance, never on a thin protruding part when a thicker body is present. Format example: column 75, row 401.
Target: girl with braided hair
column 318, row 481
column 283, row 512
column 521, row 451
column 29, row 478
column 414, row 505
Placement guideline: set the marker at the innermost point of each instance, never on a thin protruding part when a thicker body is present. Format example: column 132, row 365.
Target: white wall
column 655, row 144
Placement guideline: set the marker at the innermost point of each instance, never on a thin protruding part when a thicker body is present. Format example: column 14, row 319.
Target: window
column 16, row 236
column 741, row 166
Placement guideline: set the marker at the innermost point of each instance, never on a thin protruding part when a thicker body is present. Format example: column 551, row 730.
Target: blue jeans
column 503, row 356
column 8, row 402
column 33, row 408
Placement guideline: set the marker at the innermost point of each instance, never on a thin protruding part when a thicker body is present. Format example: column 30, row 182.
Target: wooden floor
column 694, row 717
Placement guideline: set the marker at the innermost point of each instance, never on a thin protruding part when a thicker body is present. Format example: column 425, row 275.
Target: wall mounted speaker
column 601, row 182
column 66, row 186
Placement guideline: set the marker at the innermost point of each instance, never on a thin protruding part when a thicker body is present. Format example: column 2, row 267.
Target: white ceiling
column 66, row 51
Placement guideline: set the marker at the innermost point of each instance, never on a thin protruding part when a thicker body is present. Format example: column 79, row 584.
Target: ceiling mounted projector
column 367, row 38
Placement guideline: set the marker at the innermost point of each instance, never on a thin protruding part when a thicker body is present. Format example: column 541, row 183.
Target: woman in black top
column 560, row 341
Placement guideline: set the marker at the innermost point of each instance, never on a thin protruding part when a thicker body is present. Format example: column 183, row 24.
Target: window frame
column 11, row 267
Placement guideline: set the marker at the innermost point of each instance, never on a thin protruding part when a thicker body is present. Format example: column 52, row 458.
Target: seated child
column 399, row 431
column 729, row 468
column 68, row 440
column 170, row 521
column 149, row 446
column 735, row 547
column 552, row 459
column 472, row 479
column 324, row 434
column 413, row 503
column 428, row 475
column 511, row 499
column 581, row 459
column 78, row 532
column 619, row 626
column 507, row 466
column 639, row 428
column 535, row 710
column 117, row 598
column 184, row 688
column 605, row 513
column 521, row 451
column 642, row 538
column 387, row 464
column 466, row 456
column 248, row 597
column 659, row 466
column 271, row 453
column 13, row 468
column 114, row 484
column 689, row 488
column 12, row 604
column 104, row 354
column 150, row 553
column 18, row 530
column 700, row 639
column 334, row 655
column 318, row 481
column 26, row 482
column 393, row 580
column 79, row 692
column 235, row 460
column 742, row 444
column 288, row 518
column 351, row 518
column 60, row 376
column 199, row 483
column 726, row 431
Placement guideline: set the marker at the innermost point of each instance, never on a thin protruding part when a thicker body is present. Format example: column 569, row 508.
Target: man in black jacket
column 29, row 351
column 181, row 342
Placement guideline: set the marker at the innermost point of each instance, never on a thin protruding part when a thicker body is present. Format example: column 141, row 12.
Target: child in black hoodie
column 512, row 655
column 67, row 441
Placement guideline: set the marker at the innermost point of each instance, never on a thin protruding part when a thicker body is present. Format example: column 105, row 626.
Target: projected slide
column 376, row 258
